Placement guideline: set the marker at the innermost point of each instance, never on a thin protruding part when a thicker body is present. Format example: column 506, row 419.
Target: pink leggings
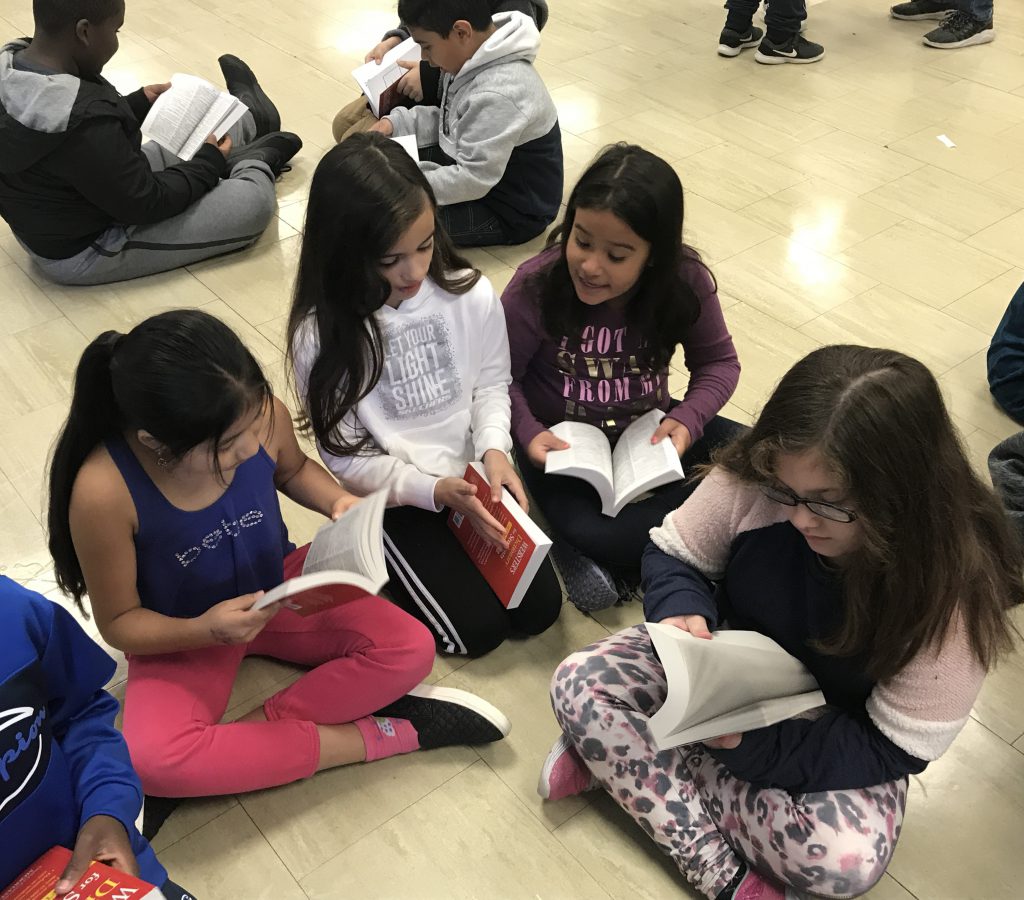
column 365, row 654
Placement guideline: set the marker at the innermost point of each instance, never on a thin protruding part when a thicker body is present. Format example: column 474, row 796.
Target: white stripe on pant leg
column 423, row 598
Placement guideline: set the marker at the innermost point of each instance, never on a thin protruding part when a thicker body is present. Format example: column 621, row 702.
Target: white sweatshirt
column 442, row 399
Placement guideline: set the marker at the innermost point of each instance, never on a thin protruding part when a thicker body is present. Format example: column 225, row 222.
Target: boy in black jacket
column 89, row 201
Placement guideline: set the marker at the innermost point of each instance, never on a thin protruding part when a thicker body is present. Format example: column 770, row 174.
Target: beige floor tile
column 984, row 306
column 755, row 125
column 190, row 816
column 718, row 233
column 1009, row 184
column 37, row 366
column 294, row 214
column 960, row 836
column 25, row 304
column 734, row 177
column 889, row 889
column 998, row 706
column 483, row 823
column 796, row 88
column 999, row 68
column 228, row 857
column 966, row 391
column 582, row 109
column 884, row 317
column 767, row 349
column 309, row 822
column 25, row 443
column 790, row 281
column 1003, row 239
column 944, row 202
column 976, row 157
column 821, row 215
column 850, row 162
column 624, row 615
column 922, row 263
column 654, row 131
column 619, row 855
column 877, row 119
column 516, row 679
column 22, row 540
column 692, row 106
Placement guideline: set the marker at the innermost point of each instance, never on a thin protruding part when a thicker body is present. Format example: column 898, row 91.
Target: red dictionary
column 99, row 882
column 508, row 572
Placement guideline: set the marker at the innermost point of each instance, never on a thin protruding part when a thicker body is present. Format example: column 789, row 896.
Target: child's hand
column 725, row 742
column 537, row 449
column 104, row 839
column 460, row 495
column 696, row 625
column 676, row 432
column 343, row 504
column 224, row 144
column 383, row 126
column 152, row 91
column 235, row 621
column 377, row 53
column 501, row 474
column 410, row 85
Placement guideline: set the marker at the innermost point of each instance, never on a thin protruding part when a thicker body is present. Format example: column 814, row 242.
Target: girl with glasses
column 848, row 526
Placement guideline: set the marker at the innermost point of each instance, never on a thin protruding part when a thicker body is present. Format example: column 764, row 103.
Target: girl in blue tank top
column 164, row 510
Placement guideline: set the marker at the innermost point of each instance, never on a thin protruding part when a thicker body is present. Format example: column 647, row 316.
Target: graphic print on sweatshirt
column 420, row 376
column 25, row 738
column 603, row 382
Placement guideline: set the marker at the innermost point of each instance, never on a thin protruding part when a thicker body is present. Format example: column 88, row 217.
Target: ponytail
column 93, row 418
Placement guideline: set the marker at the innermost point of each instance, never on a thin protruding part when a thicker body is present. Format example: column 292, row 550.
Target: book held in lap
column 183, row 117
column 379, row 82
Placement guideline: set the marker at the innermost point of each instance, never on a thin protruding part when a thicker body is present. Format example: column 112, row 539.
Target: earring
column 162, row 461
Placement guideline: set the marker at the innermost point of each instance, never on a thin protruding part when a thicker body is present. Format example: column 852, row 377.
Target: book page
column 638, row 465
column 178, row 112
column 589, row 457
column 374, row 79
column 408, row 143
column 353, row 543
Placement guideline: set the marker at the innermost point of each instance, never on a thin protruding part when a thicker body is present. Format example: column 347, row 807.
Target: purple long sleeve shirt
column 597, row 377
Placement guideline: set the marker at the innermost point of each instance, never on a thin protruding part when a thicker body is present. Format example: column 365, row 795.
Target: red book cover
column 99, row 882
column 508, row 572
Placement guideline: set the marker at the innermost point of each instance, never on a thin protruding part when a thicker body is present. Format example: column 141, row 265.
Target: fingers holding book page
column 696, row 625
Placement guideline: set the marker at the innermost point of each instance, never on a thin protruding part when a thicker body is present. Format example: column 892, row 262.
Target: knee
column 408, row 645
column 255, row 197
column 162, row 768
column 857, row 863
column 484, row 634
column 419, row 649
column 541, row 606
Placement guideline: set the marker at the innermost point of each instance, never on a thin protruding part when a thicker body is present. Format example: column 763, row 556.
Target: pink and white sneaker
column 564, row 773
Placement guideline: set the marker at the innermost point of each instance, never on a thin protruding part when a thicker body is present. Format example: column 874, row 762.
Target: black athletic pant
column 573, row 508
column 433, row 579
column 781, row 15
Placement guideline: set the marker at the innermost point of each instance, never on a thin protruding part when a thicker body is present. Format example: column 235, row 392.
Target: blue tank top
column 189, row 561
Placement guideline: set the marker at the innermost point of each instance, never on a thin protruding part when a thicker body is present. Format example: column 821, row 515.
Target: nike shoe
column 960, row 29
column 242, row 83
column 590, row 586
column 732, row 43
column 446, row 716
column 275, row 149
column 923, row 9
column 564, row 773
column 795, row 50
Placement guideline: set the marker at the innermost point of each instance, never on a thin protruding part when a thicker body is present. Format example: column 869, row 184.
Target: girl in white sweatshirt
column 402, row 367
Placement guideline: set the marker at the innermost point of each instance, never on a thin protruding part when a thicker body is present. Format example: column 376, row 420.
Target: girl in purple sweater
column 593, row 322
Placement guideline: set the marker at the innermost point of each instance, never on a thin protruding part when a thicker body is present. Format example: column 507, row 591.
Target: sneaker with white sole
column 797, row 49
column 444, row 717
column 564, row 774
column 960, row 29
column 589, row 585
column 732, row 43
column 923, row 9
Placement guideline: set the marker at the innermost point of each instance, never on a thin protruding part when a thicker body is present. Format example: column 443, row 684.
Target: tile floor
column 830, row 212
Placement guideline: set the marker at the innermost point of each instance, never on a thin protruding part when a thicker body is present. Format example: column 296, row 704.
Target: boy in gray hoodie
column 492, row 151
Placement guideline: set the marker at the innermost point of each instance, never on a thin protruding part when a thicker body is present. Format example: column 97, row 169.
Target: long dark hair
column 937, row 543
column 365, row 194
column 643, row 191
column 183, row 376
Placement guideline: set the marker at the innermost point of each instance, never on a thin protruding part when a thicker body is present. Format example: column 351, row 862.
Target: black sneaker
column 590, row 586
column 795, row 50
column 923, row 9
column 960, row 29
column 275, row 149
column 242, row 83
column 446, row 716
column 732, row 43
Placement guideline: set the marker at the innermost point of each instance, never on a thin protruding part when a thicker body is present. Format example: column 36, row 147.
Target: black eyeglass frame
column 818, row 507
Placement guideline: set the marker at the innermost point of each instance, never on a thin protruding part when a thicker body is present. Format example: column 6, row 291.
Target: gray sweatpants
column 231, row 216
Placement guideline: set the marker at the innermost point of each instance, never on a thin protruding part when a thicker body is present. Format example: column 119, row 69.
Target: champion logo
column 227, row 528
column 21, row 740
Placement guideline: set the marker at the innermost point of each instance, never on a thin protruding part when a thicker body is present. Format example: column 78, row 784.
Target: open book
column 183, row 117
column 38, row 881
column 379, row 82
column 635, row 467
column 345, row 562
column 735, row 682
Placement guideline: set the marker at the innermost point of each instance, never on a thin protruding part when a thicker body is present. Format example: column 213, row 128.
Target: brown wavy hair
column 936, row 540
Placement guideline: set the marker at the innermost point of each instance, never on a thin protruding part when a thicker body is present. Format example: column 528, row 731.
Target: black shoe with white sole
column 275, row 149
column 797, row 49
column 241, row 83
column 732, row 43
column 923, row 9
column 589, row 585
column 444, row 717
column 960, row 29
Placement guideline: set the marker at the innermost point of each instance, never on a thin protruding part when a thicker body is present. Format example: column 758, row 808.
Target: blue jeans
column 1006, row 359
column 980, row 9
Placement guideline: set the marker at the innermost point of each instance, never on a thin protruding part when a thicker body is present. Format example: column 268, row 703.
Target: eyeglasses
column 819, row 507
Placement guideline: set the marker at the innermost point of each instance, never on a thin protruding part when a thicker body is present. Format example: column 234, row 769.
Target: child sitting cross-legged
column 492, row 151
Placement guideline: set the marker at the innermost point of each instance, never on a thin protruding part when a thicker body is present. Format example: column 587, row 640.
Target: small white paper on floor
column 943, row 139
